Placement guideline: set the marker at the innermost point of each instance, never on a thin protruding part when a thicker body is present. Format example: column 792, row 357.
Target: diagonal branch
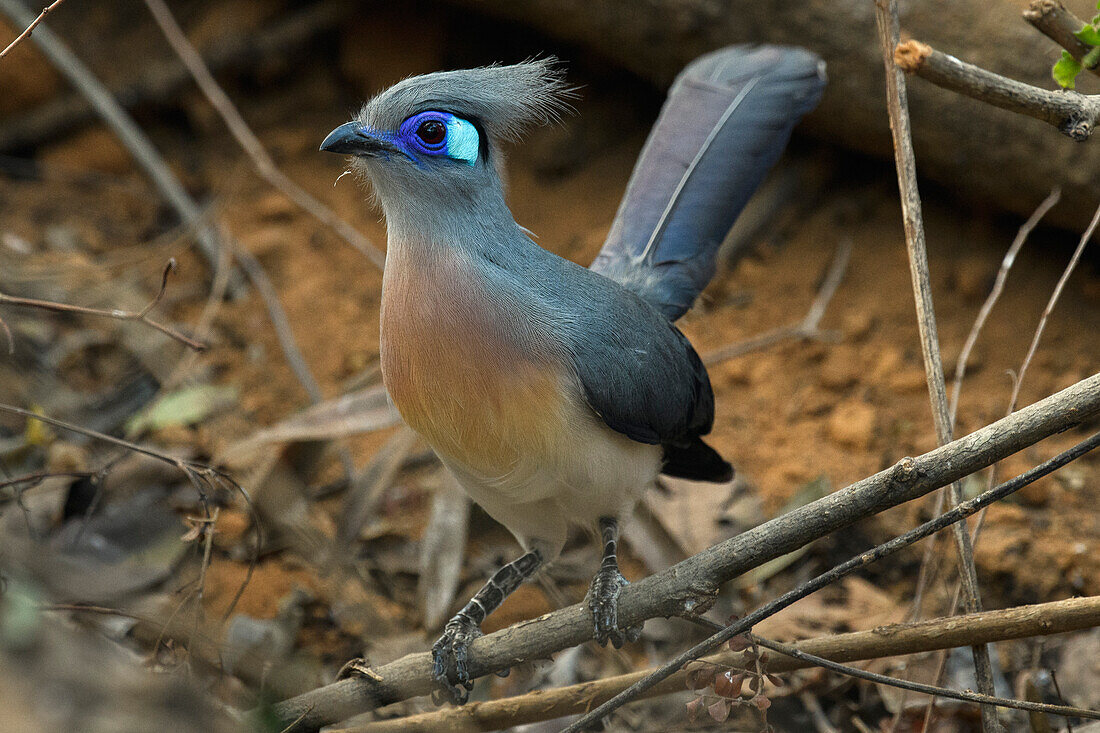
column 885, row 641
column 690, row 586
column 743, row 625
column 1052, row 19
column 30, row 28
column 1074, row 114
column 248, row 140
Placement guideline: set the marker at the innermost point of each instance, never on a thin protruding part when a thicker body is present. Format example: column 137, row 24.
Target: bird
column 557, row 394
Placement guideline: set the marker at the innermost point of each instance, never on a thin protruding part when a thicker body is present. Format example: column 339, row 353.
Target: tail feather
column 727, row 119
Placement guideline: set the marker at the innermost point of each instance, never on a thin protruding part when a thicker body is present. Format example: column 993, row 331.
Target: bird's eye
column 432, row 132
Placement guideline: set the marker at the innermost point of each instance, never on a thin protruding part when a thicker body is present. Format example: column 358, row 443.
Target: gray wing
column 640, row 375
column 727, row 119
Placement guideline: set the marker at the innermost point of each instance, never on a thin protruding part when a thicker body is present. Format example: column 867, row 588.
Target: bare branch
column 806, row 328
column 897, row 104
column 690, row 585
column 885, row 641
column 30, row 28
column 995, row 293
column 1074, row 114
column 1053, row 20
column 141, row 316
column 248, row 140
column 743, row 625
column 123, row 126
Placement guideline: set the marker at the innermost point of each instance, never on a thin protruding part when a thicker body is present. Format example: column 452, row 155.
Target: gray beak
column 353, row 138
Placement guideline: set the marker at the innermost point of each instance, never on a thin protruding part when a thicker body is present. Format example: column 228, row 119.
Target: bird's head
column 437, row 137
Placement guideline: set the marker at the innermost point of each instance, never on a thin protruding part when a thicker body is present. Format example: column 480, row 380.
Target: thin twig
column 693, row 583
column 279, row 321
column 963, row 695
column 743, row 625
column 159, row 82
column 247, row 139
column 995, row 293
column 1052, row 19
column 30, row 28
column 141, row 316
column 806, row 328
column 888, row 24
column 881, row 642
column 1075, row 115
column 124, row 127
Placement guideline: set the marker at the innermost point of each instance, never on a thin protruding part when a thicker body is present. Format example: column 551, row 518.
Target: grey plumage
column 728, row 117
column 557, row 393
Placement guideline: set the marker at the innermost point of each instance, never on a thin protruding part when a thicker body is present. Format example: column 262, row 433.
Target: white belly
column 591, row 472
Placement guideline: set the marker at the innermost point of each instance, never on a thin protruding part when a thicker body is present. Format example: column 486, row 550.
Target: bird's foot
column 603, row 599
column 450, row 658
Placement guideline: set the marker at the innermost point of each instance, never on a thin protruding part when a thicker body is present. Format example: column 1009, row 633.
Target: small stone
column 852, row 425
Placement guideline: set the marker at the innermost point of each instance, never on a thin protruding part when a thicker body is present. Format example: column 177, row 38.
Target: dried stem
column 743, row 625
column 886, row 19
column 885, row 641
column 30, row 28
column 1052, row 19
column 124, row 127
column 806, row 328
column 691, row 584
column 141, row 316
column 247, row 139
column 995, row 293
column 1074, row 114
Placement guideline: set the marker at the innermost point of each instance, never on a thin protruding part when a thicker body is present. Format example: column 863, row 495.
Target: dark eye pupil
column 432, row 132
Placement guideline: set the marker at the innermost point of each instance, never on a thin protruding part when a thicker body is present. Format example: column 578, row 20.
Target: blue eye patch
column 441, row 134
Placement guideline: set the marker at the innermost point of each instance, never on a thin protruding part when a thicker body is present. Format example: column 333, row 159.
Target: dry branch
column 885, row 641
column 30, row 28
column 247, row 139
column 135, row 140
column 141, row 316
column 1074, row 114
column 162, row 81
column 1052, row 19
column 741, row 626
column 897, row 104
column 690, row 586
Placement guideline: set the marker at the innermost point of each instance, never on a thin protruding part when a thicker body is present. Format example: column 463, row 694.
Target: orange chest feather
column 460, row 373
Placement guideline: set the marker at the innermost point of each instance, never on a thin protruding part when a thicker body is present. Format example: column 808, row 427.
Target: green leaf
column 1066, row 70
column 1088, row 34
column 186, row 406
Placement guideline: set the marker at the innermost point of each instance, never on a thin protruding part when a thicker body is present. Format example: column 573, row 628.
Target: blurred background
column 136, row 595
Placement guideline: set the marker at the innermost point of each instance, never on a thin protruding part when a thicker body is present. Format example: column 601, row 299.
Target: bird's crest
column 504, row 100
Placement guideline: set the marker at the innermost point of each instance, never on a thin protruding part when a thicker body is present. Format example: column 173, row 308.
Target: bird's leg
column 603, row 594
column 450, row 654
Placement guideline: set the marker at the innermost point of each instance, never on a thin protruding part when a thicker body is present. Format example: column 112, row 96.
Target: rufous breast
column 463, row 366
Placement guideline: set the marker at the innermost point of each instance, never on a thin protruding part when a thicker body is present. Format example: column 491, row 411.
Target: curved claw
column 603, row 600
column 451, row 656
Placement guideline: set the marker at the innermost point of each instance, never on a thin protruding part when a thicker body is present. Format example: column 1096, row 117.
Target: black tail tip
column 696, row 461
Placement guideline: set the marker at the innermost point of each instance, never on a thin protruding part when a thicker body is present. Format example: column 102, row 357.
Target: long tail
column 727, row 119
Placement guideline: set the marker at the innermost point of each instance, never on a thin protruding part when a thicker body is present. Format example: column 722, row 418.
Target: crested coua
column 555, row 393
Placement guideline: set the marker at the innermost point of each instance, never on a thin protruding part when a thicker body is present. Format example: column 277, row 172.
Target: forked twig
column 141, row 316
column 808, row 327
